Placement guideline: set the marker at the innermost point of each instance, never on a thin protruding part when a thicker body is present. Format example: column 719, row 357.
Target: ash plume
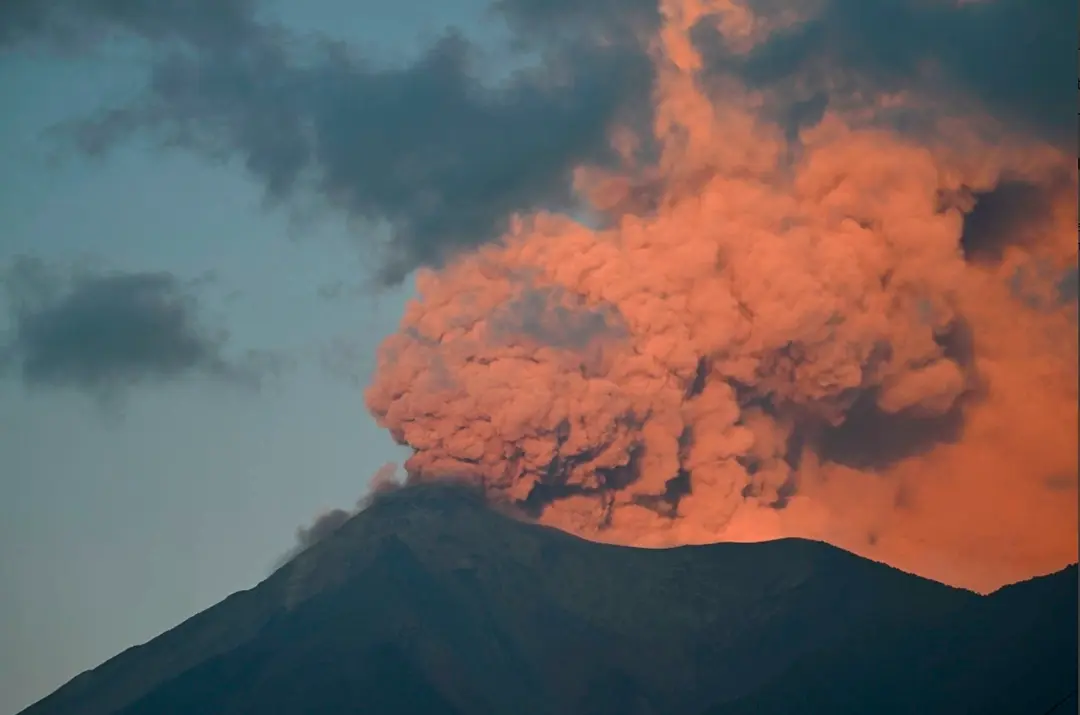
column 384, row 481
column 825, row 286
column 779, row 330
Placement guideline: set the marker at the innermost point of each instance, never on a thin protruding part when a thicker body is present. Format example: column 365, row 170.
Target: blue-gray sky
column 113, row 530
column 151, row 463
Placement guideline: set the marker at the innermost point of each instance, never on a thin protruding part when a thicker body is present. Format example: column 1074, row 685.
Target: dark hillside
column 430, row 602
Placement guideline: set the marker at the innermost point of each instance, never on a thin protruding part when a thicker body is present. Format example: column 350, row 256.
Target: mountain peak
column 442, row 496
column 473, row 611
column 442, row 522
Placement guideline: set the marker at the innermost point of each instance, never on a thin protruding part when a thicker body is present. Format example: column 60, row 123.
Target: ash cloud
column 798, row 316
column 384, row 481
column 104, row 332
column 555, row 318
column 1004, row 216
column 819, row 336
column 324, row 525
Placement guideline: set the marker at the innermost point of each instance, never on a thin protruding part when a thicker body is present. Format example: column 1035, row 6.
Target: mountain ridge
column 479, row 613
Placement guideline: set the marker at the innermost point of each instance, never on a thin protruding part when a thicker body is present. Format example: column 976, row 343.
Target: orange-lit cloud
column 843, row 329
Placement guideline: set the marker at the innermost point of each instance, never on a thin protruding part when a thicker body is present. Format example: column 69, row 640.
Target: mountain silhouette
column 431, row 602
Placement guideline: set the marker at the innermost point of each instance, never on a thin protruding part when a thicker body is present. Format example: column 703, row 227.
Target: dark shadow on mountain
column 1013, row 652
column 431, row 602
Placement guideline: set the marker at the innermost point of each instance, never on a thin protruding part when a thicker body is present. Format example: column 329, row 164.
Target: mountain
column 430, row 602
column 1013, row 652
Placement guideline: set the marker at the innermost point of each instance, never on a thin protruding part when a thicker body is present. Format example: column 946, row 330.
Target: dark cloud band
column 102, row 332
column 444, row 159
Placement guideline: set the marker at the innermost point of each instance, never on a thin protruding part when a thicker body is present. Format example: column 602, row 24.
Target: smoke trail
column 383, row 481
column 806, row 328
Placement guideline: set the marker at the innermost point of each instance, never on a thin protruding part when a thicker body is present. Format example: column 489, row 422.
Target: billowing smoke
column 845, row 327
column 820, row 279
column 325, row 524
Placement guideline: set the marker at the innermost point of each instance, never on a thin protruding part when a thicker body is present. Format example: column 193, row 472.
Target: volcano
column 431, row 601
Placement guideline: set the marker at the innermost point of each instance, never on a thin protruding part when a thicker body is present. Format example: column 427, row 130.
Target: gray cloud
column 1018, row 57
column 1001, row 216
column 555, row 318
column 100, row 332
column 73, row 25
column 616, row 20
column 429, row 148
column 444, row 158
column 1069, row 286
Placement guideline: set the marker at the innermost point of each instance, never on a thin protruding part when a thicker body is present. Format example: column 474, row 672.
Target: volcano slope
column 432, row 602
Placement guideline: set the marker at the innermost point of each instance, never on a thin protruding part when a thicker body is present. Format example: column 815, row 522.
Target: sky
column 658, row 271
column 118, row 522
